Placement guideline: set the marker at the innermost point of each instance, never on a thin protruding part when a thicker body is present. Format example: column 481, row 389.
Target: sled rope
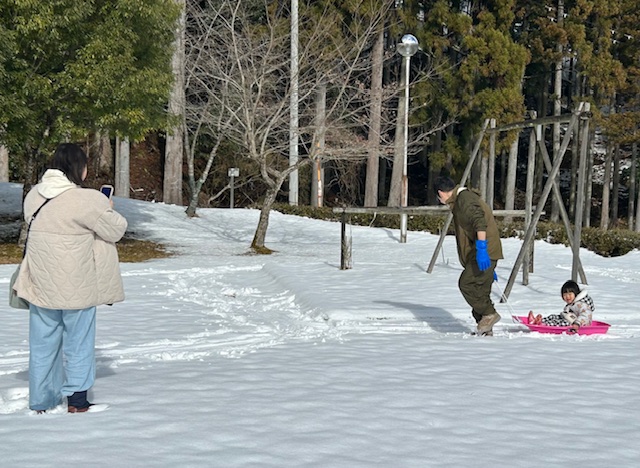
column 504, row 298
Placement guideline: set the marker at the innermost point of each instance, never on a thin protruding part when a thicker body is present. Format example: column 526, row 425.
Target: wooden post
column 345, row 245
column 531, row 167
column 580, row 195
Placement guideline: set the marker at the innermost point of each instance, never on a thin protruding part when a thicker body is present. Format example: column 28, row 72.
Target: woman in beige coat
column 70, row 267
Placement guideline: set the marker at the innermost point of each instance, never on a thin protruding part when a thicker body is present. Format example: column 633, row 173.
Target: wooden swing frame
column 531, row 220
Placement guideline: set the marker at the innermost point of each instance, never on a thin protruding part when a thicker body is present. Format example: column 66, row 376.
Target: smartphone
column 107, row 191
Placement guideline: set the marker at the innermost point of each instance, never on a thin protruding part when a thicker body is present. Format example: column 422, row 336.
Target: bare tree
column 240, row 86
column 204, row 104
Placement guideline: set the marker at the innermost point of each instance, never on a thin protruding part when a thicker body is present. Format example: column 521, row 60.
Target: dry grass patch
column 129, row 251
column 10, row 253
column 135, row 251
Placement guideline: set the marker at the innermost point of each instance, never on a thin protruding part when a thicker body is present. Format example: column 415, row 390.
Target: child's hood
column 584, row 293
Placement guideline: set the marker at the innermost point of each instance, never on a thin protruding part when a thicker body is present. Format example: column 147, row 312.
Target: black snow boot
column 78, row 401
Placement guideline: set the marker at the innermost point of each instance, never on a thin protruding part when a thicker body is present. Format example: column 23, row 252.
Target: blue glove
column 482, row 256
column 495, row 276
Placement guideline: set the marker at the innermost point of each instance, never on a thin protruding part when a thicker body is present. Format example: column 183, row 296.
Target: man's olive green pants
column 475, row 286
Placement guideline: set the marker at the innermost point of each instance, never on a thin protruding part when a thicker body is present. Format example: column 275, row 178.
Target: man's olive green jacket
column 470, row 215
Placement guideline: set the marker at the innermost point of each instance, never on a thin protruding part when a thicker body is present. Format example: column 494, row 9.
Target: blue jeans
column 61, row 354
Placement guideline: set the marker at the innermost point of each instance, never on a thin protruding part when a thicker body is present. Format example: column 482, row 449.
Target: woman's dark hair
column 444, row 184
column 570, row 286
column 70, row 159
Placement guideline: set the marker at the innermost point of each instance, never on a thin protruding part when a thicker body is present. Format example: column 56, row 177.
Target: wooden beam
column 415, row 210
column 411, row 210
column 345, row 240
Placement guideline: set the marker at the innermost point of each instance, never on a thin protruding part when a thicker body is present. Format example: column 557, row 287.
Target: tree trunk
column 476, row 168
column 637, row 200
column 491, row 167
column 263, row 223
column 606, row 188
column 632, row 184
column 638, row 212
column 373, row 161
column 557, row 109
column 174, row 149
column 382, row 181
column 575, row 156
column 121, row 185
column 576, row 96
column 193, row 204
column 196, row 186
column 4, row 164
column 484, row 170
column 432, row 197
column 105, row 152
column 615, row 196
column 589, row 190
column 512, row 165
column 395, row 191
column 317, row 172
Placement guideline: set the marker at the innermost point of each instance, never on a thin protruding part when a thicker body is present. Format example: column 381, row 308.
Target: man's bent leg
column 475, row 286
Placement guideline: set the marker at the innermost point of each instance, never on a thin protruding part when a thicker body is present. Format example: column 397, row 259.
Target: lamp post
column 407, row 47
column 293, row 112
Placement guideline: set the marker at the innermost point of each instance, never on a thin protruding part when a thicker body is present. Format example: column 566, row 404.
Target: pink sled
column 593, row 329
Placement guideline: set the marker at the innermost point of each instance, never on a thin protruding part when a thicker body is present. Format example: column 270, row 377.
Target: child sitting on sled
column 577, row 313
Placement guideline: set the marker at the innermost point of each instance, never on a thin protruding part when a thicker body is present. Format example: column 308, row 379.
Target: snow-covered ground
column 219, row 358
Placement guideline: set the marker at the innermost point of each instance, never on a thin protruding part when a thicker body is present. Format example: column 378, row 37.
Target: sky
column 222, row 358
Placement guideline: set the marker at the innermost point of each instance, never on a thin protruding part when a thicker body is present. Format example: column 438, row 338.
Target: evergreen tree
column 69, row 67
column 476, row 71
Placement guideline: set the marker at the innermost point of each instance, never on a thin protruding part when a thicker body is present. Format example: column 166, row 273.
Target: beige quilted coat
column 71, row 260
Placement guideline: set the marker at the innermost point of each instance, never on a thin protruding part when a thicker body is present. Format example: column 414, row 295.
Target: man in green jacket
column 479, row 249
